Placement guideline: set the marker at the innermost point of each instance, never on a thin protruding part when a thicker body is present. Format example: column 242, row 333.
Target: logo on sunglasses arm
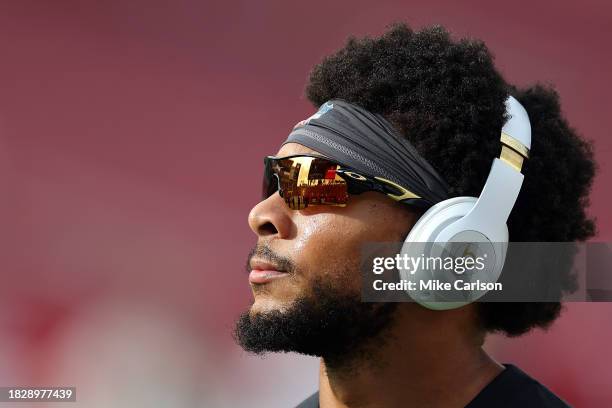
column 326, row 107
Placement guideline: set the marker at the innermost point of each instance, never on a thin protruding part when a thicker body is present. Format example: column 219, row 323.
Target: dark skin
column 426, row 359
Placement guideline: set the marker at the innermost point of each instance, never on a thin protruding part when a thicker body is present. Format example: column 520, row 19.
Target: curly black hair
column 447, row 98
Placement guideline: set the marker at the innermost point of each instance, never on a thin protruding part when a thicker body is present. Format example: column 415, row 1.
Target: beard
column 327, row 323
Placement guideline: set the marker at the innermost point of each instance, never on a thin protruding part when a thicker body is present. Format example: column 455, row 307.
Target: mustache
column 263, row 252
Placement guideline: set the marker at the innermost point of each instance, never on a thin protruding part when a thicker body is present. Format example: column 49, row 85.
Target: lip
column 258, row 276
column 263, row 272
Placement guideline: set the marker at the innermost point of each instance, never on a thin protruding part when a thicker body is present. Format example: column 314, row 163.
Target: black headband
column 368, row 143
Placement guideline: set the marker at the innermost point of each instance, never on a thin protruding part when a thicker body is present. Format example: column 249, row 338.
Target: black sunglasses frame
column 357, row 182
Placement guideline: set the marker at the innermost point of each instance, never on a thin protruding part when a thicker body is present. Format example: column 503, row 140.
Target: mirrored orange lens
column 305, row 181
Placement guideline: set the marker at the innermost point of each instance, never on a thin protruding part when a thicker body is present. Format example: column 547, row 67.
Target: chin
column 266, row 304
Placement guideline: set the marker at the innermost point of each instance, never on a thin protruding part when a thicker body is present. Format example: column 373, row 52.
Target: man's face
column 318, row 251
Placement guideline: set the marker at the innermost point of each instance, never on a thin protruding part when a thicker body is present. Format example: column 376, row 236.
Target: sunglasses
column 304, row 180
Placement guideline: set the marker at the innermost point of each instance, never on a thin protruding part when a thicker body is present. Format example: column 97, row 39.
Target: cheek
column 328, row 246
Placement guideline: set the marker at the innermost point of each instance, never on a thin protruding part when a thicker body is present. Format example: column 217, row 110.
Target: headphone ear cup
column 420, row 243
column 439, row 217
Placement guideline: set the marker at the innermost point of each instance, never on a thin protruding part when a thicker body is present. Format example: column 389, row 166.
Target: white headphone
column 449, row 226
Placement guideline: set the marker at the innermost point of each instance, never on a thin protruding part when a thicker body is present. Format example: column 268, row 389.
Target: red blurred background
column 123, row 228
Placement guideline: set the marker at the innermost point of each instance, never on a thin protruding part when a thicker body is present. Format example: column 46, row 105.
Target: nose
column 271, row 217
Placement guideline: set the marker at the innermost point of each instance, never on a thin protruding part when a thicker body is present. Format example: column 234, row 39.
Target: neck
column 426, row 359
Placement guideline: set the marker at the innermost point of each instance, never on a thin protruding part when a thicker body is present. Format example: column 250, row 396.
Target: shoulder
column 514, row 388
column 310, row 402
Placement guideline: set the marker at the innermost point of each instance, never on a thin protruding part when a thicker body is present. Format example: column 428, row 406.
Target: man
column 445, row 100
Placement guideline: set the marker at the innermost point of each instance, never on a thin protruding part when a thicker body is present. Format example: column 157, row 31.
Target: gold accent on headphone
column 405, row 192
column 513, row 152
column 511, row 157
column 514, row 144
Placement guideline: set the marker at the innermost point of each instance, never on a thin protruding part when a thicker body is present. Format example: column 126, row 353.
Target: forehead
column 294, row 148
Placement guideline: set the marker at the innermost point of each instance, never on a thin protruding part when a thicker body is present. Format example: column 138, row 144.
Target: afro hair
column 447, row 98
